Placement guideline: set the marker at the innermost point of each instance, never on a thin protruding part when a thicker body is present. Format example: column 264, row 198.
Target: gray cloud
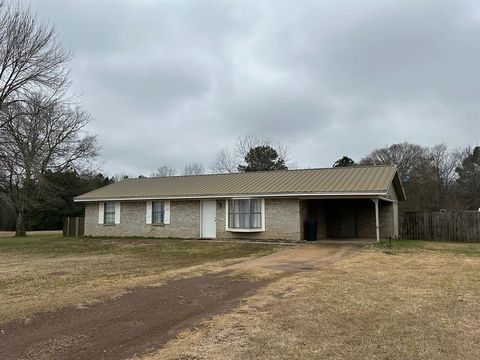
column 173, row 81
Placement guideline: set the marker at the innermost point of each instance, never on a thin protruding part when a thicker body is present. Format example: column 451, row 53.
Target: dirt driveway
column 307, row 257
column 147, row 318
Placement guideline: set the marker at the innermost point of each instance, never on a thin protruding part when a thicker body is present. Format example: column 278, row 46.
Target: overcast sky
column 171, row 82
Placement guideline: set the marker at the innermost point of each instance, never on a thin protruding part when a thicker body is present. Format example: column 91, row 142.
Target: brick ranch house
column 291, row 205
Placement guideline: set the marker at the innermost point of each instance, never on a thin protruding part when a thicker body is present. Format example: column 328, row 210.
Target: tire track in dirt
column 146, row 318
column 132, row 324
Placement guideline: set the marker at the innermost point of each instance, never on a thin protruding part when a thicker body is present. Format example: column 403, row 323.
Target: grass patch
column 175, row 249
column 420, row 304
column 46, row 272
column 414, row 246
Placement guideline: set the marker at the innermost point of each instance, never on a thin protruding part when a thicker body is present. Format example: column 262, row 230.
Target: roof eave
column 349, row 194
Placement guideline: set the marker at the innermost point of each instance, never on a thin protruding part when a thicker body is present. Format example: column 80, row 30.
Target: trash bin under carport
column 310, row 230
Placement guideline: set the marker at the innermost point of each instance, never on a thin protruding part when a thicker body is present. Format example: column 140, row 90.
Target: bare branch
column 165, row 170
column 40, row 135
column 31, row 58
column 193, row 169
column 224, row 162
column 407, row 157
column 228, row 161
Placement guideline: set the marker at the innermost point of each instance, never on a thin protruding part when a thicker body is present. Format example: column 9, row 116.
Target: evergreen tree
column 262, row 158
column 344, row 161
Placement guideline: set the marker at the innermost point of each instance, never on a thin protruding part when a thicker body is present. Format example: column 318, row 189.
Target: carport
column 349, row 218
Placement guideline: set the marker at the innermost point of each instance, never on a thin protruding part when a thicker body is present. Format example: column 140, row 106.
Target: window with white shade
column 158, row 212
column 246, row 214
column 109, row 213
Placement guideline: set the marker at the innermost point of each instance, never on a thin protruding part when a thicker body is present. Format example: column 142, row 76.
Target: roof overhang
column 397, row 183
column 324, row 195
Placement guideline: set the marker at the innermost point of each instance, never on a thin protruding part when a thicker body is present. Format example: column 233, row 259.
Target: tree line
column 435, row 178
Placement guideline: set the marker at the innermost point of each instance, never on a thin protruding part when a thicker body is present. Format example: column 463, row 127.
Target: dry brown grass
column 49, row 272
column 32, row 233
column 410, row 303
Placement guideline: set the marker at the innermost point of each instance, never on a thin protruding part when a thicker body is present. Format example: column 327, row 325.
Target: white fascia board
column 388, row 199
column 239, row 196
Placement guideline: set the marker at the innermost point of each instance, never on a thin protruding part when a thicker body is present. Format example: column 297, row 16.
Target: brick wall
column 366, row 219
column 386, row 216
column 184, row 221
column 303, row 217
column 282, row 221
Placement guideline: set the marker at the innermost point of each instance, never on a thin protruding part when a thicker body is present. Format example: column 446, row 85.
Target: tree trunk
column 20, row 228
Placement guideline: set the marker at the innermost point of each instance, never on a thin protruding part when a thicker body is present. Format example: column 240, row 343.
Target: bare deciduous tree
column 228, row 161
column 407, row 157
column 442, row 165
column 40, row 135
column 428, row 174
column 244, row 144
column 165, row 170
column 193, row 169
column 224, row 162
column 31, row 58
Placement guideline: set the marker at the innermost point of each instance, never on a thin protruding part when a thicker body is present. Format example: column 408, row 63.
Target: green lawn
column 45, row 272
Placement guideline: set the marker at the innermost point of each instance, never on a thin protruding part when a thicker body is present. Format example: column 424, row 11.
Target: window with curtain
column 245, row 214
column 158, row 212
column 109, row 213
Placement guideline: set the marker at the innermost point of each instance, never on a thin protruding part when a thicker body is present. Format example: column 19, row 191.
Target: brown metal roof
column 335, row 181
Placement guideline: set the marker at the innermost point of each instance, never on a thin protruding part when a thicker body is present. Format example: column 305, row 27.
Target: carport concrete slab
column 306, row 257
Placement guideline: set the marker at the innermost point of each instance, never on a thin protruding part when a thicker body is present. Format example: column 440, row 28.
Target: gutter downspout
column 377, row 221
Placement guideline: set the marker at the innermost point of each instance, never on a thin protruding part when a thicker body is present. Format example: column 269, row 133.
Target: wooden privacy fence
column 460, row 226
column 73, row 226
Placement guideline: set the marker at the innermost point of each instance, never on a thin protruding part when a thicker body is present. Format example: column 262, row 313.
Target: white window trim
column 262, row 205
column 101, row 210
column 166, row 216
column 117, row 212
column 149, row 213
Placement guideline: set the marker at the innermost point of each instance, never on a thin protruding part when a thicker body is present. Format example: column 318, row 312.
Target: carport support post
column 377, row 221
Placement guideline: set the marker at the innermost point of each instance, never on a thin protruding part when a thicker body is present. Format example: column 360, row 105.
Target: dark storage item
column 310, row 230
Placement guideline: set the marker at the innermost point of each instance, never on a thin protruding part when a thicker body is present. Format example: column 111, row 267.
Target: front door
column 208, row 227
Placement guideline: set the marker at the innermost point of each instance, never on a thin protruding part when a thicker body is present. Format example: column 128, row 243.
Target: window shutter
column 101, row 208
column 166, row 219
column 117, row 212
column 148, row 214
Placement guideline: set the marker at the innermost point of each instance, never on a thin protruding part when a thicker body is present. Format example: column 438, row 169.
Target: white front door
column 208, row 218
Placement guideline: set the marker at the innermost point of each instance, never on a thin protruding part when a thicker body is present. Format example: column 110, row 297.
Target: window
column 245, row 214
column 158, row 212
column 109, row 213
